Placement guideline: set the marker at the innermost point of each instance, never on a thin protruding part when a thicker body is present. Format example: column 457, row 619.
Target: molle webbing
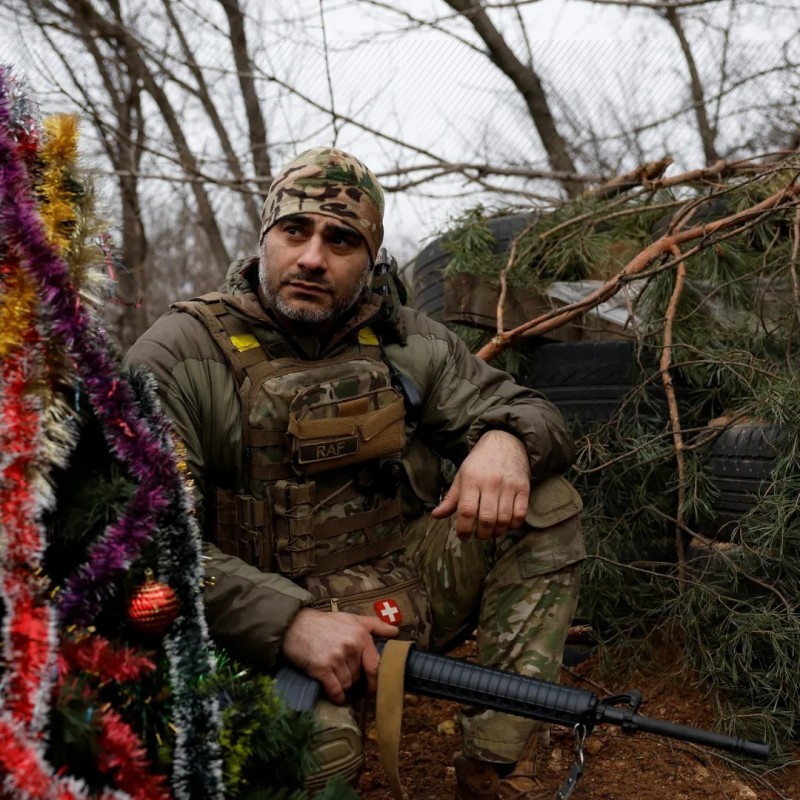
column 363, row 520
column 242, row 528
column 296, row 535
column 282, row 530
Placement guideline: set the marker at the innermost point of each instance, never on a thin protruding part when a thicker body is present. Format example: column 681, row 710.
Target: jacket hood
column 242, row 276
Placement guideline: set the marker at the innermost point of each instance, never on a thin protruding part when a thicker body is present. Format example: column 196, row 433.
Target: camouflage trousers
column 518, row 591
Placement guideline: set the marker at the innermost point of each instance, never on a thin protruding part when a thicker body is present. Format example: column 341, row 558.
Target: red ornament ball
column 153, row 606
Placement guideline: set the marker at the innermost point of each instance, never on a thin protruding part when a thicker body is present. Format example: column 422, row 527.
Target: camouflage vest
column 320, row 496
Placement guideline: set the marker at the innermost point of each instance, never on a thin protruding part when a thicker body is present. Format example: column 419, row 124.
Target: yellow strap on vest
column 389, row 709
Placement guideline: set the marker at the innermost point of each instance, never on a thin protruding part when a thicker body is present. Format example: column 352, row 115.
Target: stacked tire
column 586, row 381
column 428, row 269
column 742, row 460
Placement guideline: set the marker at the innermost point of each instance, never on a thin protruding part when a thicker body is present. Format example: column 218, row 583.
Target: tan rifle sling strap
column 389, row 709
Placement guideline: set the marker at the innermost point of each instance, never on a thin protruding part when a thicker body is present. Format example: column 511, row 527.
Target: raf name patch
column 331, row 448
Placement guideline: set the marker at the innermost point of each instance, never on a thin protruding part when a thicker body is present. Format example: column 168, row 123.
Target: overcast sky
column 603, row 63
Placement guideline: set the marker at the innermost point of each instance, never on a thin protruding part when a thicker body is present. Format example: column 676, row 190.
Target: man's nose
column 313, row 254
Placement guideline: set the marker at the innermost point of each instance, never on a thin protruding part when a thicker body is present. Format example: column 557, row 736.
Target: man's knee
column 551, row 537
column 338, row 746
column 531, row 591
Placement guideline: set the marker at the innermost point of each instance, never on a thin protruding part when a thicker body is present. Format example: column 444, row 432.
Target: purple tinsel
column 89, row 350
column 140, row 436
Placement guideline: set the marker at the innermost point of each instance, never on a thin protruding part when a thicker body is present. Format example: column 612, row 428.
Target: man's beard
column 311, row 314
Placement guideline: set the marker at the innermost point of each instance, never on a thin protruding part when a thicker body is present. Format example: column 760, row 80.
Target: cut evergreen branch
column 713, row 258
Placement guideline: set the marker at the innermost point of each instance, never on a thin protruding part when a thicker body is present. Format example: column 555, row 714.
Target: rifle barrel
column 465, row 682
column 633, row 722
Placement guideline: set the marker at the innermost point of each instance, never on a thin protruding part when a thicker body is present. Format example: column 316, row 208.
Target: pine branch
column 556, row 318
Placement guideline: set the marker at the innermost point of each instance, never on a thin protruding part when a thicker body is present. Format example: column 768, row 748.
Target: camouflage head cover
column 330, row 182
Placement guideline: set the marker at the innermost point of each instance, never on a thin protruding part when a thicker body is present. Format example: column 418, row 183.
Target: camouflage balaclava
column 330, row 182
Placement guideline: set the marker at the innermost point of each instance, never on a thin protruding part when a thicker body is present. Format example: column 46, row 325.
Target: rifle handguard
column 473, row 684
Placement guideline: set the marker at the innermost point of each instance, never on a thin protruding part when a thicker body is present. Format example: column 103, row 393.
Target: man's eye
column 342, row 240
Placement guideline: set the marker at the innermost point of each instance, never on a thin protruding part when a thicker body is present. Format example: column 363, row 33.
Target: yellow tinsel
column 58, row 153
column 17, row 304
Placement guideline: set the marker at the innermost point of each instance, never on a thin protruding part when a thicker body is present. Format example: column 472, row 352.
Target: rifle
column 450, row 678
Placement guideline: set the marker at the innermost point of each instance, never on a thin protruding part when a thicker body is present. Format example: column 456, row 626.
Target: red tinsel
column 30, row 616
column 27, row 776
column 123, row 756
column 96, row 656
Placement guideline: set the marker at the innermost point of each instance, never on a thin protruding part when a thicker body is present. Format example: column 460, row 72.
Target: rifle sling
column 389, row 709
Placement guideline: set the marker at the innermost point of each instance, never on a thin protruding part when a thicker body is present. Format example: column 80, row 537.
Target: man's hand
column 334, row 647
column 491, row 489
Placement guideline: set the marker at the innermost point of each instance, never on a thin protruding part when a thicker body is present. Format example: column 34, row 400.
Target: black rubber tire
column 427, row 280
column 741, row 461
column 585, row 380
column 724, row 566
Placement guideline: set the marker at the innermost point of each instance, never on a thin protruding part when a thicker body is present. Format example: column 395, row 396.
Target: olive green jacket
column 248, row 610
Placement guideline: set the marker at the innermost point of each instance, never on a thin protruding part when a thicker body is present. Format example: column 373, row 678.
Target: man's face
column 312, row 269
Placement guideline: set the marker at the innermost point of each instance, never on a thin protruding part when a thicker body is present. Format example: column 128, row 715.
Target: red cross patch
column 388, row 610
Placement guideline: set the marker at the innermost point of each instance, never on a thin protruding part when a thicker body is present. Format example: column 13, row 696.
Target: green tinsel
column 265, row 746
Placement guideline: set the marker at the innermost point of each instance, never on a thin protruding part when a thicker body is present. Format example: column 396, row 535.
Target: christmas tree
column 109, row 685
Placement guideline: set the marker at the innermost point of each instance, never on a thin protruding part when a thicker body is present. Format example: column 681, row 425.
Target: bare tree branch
column 203, row 94
column 527, row 83
column 672, row 403
column 707, row 134
column 256, row 124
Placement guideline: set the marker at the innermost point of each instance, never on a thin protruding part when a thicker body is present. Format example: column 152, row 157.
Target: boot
column 522, row 787
column 475, row 780
column 520, row 784
column 479, row 780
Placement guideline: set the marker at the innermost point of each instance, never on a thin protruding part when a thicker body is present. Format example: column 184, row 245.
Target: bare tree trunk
column 124, row 143
column 204, row 95
column 527, row 83
column 134, row 320
column 252, row 106
column 707, row 133
column 115, row 32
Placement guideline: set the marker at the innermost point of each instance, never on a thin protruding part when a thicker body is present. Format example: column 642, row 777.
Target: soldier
column 314, row 407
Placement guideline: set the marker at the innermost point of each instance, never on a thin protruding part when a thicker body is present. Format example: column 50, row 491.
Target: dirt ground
column 618, row 766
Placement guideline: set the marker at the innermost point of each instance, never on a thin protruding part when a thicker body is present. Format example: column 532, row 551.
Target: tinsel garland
column 19, row 298
column 95, row 655
column 29, row 620
column 197, row 717
column 29, row 623
column 122, row 754
column 112, row 397
column 159, row 504
column 26, row 775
